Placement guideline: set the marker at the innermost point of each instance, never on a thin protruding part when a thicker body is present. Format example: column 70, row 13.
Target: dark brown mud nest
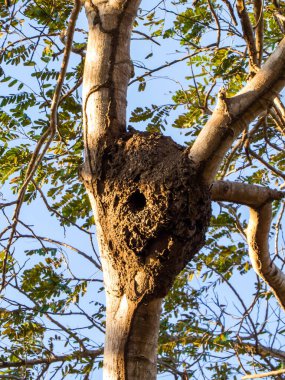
column 153, row 209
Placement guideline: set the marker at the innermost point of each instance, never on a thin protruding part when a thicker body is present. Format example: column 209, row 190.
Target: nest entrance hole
column 137, row 201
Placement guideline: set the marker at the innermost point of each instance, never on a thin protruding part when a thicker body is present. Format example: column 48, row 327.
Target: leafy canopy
column 219, row 320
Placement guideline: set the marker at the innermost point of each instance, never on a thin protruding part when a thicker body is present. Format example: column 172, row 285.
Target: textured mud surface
column 153, row 210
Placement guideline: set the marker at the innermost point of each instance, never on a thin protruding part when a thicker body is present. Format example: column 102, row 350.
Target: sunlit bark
column 259, row 200
column 131, row 327
column 232, row 115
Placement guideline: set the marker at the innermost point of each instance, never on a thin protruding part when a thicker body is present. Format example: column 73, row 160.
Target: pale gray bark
column 232, row 115
column 257, row 236
column 259, row 200
column 131, row 339
column 131, row 327
column 242, row 193
column 107, row 72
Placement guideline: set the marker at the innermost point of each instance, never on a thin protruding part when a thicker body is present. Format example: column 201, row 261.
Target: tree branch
column 266, row 164
column 250, row 195
column 146, row 37
column 56, row 242
column 279, row 109
column 248, row 33
column 47, row 137
column 232, row 115
column 259, row 26
column 257, row 237
column 259, row 201
column 217, row 21
column 261, row 375
column 231, row 11
column 53, row 359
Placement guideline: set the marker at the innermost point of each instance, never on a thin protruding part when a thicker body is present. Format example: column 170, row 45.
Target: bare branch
column 259, row 201
column 237, row 146
column 248, row 33
column 171, row 63
column 265, row 163
column 53, row 359
column 54, row 211
column 259, row 25
column 217, row 21
column 250, row 195
column 3, row 205
column 231, row 11
column 233, row 115
column 261, row 375
column 47, row 137
column 257, row 236
column 146, row 36
column 68, row 246
column 167, row 64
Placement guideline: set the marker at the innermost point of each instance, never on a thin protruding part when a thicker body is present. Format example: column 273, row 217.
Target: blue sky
column 158, row 91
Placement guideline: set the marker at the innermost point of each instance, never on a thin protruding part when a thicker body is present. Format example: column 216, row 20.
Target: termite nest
column 154, row 211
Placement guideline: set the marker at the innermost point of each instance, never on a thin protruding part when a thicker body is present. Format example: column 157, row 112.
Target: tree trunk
column 150, row 206
column 131, row 339
column 132, row 324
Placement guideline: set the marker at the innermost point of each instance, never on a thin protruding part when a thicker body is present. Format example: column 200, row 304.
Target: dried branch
column 171, row 63
column 54, row 211
column 237, row 146
column 167, row 64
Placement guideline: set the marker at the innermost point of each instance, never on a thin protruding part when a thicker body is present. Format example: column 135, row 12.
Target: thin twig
column 265, row 163
column 217, row 21
column 146, row 36
column 43, row 145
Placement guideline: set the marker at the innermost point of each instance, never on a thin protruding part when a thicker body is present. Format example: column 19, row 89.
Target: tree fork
column 150, row 206
column 259, row 200
column 152, row 213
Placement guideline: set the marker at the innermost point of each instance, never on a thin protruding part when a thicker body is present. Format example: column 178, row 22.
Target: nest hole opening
column 137, row 201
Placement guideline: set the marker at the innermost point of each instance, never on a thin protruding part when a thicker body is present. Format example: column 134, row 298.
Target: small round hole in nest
column 137, row 201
